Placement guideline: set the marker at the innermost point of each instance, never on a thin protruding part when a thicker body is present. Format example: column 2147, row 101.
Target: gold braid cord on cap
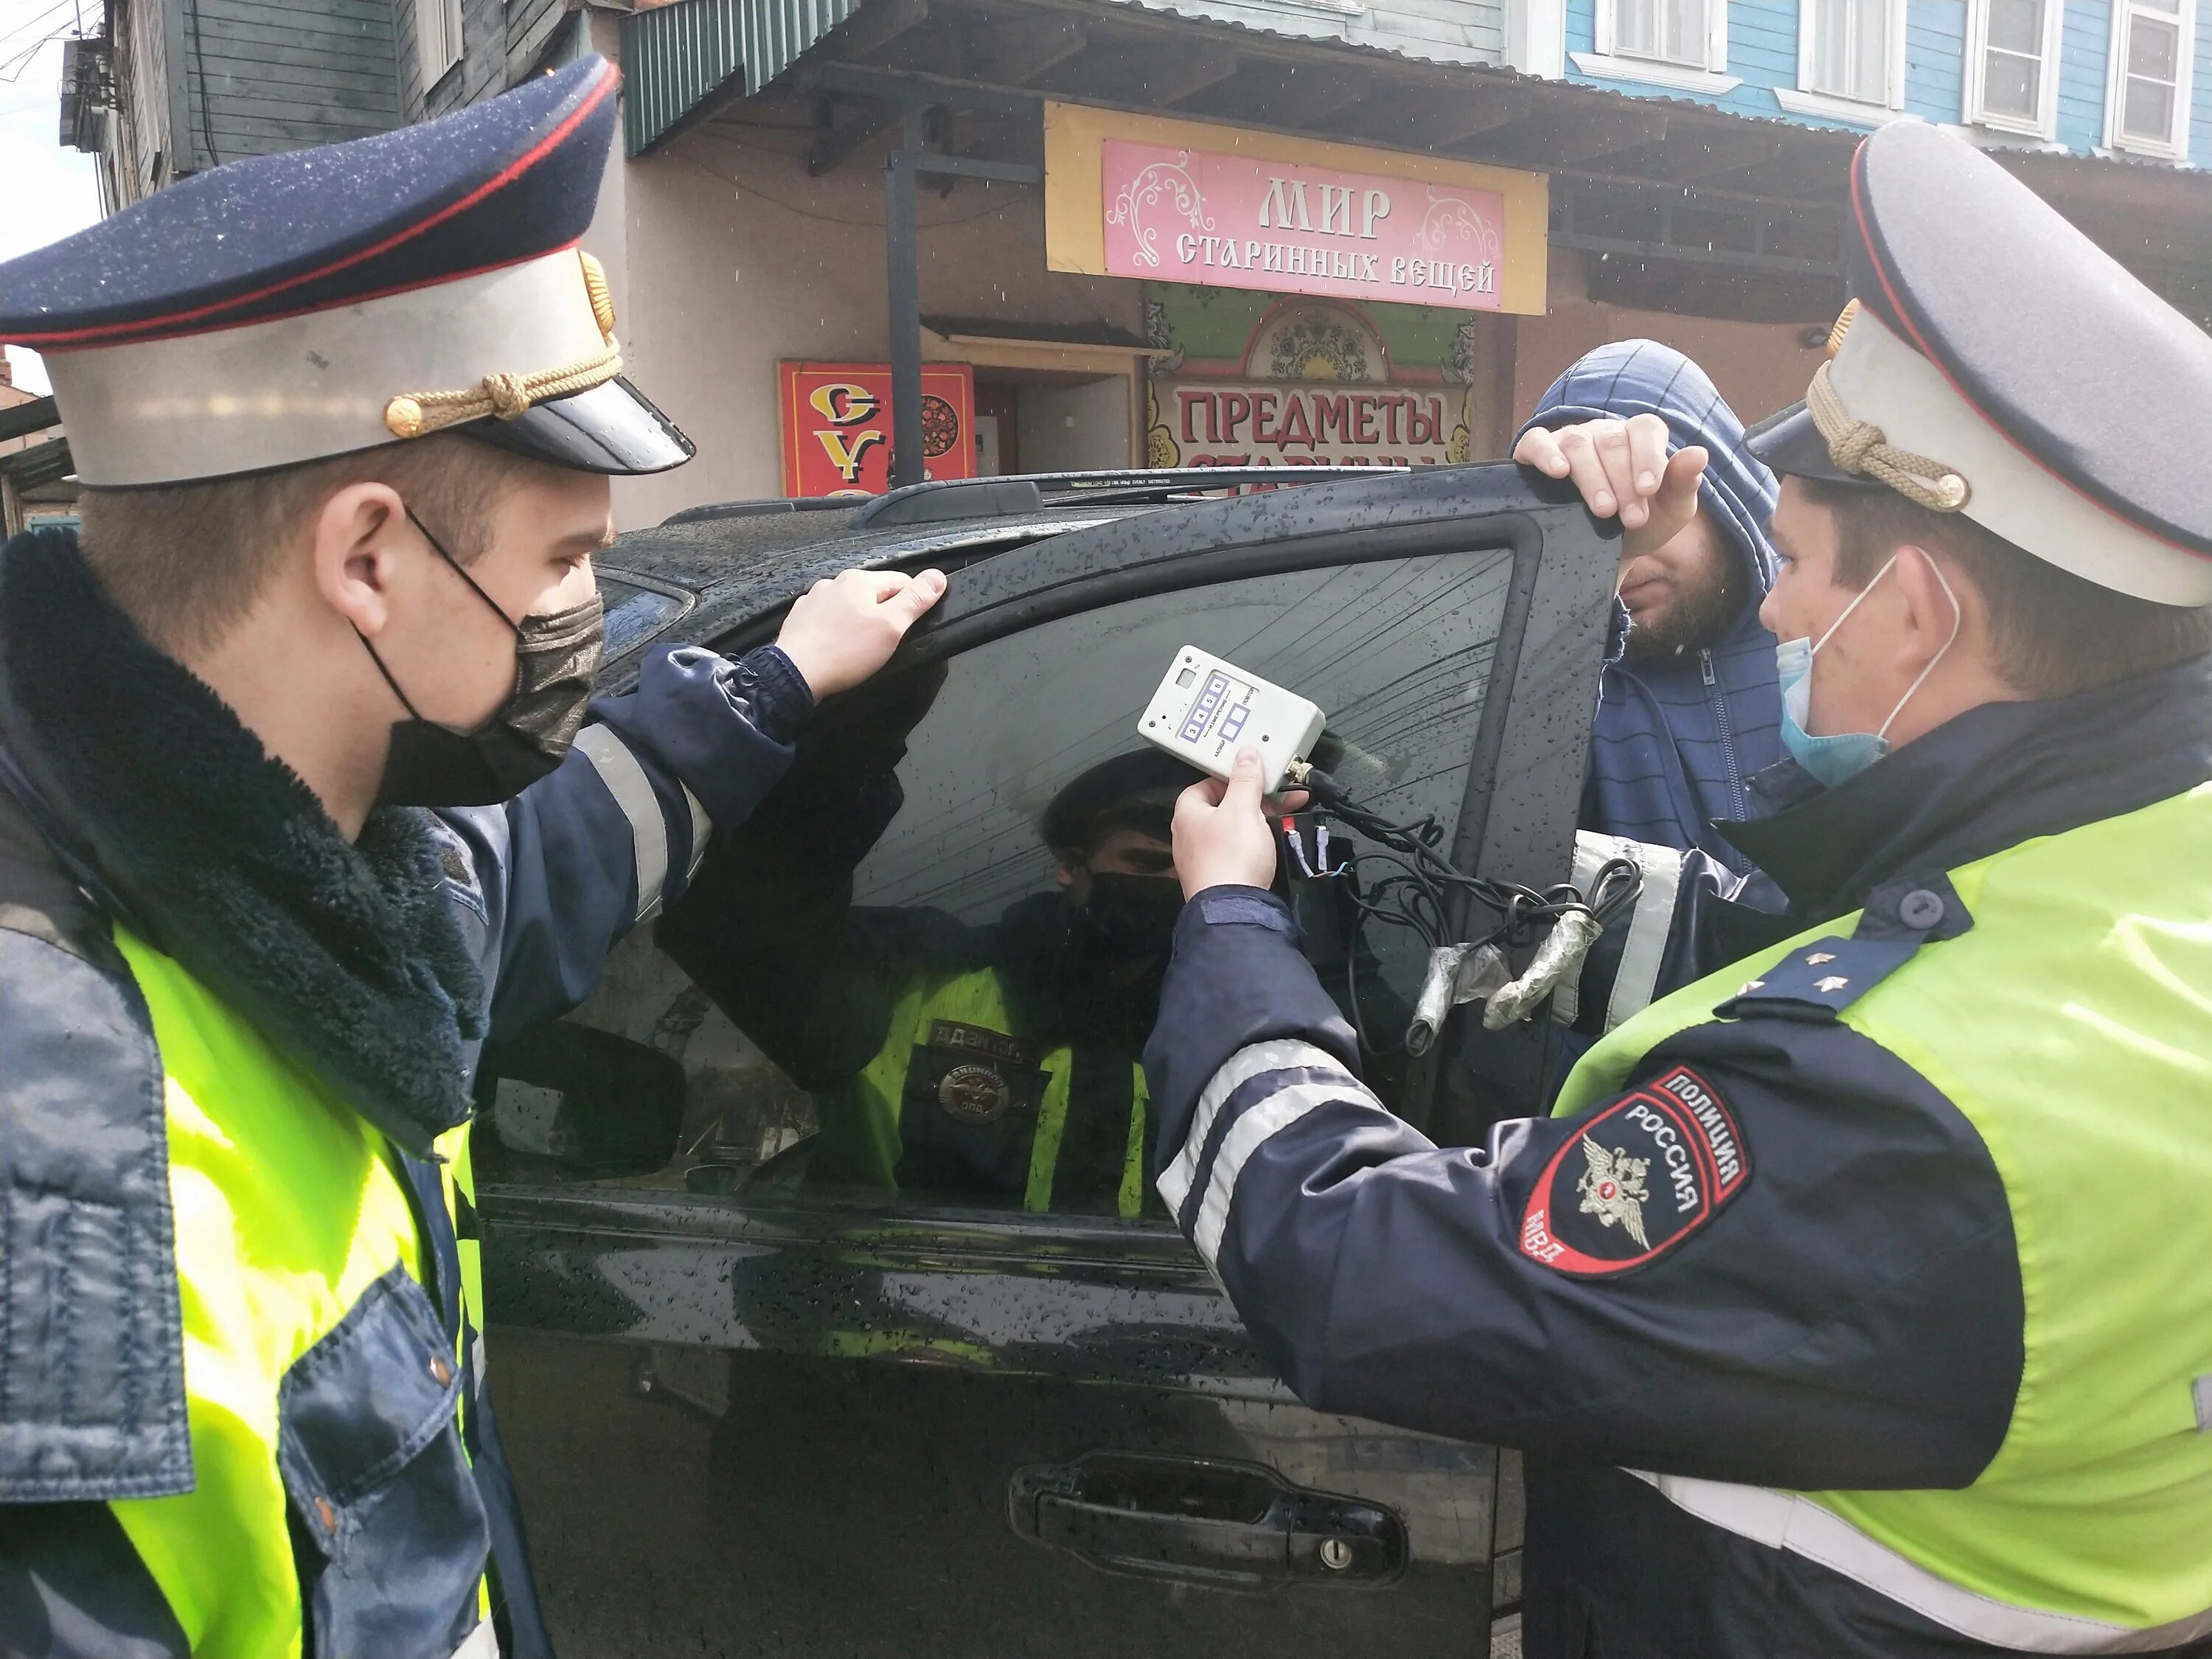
column 418, row 414
column 1861, row 446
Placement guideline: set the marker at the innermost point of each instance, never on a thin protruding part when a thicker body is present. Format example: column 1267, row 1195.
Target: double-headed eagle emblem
column 1612, row 1190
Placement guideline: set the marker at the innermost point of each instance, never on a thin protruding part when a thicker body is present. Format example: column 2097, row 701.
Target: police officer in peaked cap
column 1854, row 1302
column 305, row 797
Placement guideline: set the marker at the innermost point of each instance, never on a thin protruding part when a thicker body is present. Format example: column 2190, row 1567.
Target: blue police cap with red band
column 321, row 301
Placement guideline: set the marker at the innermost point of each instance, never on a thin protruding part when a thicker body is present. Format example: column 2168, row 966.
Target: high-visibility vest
column 862, row 1137
column 323, row 1383
column 2072, row 1025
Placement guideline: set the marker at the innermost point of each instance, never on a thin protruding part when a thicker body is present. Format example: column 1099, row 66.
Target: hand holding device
column 1206, row 710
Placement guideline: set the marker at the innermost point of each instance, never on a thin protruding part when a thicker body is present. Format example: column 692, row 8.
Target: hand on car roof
column 845, row 627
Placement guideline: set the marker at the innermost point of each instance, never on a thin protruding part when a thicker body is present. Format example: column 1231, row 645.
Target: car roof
column 721, row 551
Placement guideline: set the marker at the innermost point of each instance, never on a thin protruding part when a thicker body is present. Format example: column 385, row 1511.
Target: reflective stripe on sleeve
column 1644, row 951
column 1260, row 1058
column 633, row 792
column 1784, row 1521
column 702, row 830
column 1591, row 850
column 1269, row 1117
column 1646, row 948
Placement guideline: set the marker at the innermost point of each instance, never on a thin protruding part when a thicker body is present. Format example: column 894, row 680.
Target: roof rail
column 1197, row 478
column 954, row 498
column 1029, row 492
column 1166, row 484
column 758, row 508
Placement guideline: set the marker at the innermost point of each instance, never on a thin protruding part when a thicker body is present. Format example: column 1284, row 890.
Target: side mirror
column 594, row 1105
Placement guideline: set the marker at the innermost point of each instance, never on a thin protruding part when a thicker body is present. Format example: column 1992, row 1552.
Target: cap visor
column 613, row 427
column 1792, row 447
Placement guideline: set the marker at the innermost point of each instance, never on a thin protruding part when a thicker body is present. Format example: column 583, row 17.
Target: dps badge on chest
column 973, row 1093
column 1636, row 1180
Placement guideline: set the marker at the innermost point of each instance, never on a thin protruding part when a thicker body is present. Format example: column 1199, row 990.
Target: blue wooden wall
column 2084, row 53
column 1935, row 59
column 1763, row 56
column 2200, row 108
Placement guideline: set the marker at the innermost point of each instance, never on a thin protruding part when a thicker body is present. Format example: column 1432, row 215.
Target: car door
column 763, row 1399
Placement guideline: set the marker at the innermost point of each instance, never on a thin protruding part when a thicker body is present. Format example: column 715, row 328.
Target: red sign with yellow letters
column 838, row 426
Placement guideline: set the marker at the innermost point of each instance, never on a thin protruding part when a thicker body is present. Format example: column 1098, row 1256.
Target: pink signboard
column 1192, row 216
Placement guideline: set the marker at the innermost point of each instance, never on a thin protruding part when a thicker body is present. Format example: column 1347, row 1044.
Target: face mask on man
column 1132, row 918
column 1845, row 754
column 557, row 665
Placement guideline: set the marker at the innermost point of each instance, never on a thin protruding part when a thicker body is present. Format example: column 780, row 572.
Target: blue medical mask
column 1844, row 755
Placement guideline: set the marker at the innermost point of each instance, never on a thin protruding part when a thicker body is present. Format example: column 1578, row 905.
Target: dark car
column 753, row 1411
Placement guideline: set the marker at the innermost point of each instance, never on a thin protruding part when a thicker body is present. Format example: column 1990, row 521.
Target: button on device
column 1920, row 908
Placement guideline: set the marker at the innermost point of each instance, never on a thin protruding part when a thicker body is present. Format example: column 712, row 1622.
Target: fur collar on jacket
column 345, row 954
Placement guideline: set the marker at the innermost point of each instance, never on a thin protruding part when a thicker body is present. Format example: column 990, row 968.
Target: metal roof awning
column 682, row 59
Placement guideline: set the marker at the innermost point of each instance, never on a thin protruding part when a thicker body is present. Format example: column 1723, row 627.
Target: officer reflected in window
column 998, row 1062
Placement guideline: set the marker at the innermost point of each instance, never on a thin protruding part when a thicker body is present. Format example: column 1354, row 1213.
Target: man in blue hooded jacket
column 1688, row 708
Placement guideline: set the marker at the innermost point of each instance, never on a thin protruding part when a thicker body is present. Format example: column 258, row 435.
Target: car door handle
column 1203, row 1520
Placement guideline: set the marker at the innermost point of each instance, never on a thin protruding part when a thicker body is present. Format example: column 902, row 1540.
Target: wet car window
column 634, row 614
column 925, row 972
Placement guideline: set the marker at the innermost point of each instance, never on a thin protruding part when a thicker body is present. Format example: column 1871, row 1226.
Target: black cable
column 200, row 61
column 1414, row 898
column 1521, row 910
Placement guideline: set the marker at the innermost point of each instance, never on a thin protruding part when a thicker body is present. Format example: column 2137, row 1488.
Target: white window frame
column 1537, row 37
column 2175, row 146
column 2044, row 124
column 1710, row 77
column 437, row 40
column 1804, row 99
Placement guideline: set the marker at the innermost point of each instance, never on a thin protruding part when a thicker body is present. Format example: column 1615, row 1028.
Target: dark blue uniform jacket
column 1841, row 1310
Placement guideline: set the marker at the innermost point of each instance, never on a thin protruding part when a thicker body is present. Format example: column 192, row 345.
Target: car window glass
column 634, row 614
column 924, row 973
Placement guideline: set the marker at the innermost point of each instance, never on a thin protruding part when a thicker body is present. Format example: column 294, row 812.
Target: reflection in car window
column 926, row 970
column 635, row 614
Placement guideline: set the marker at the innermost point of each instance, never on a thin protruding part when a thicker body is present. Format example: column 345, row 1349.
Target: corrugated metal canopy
column 675, row 58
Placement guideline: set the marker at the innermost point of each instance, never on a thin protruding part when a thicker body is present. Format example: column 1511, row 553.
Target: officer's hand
column 846, row 627
column 1622, row 466
column 1222, row 835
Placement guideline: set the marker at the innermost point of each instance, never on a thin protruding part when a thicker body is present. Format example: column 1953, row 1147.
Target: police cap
column 1996, row 363
column 323, row 301
column 1132, row 791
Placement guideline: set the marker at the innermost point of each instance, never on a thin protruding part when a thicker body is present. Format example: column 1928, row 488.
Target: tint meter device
column 1207, row 709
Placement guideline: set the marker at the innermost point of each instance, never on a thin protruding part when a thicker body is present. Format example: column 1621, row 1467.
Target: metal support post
column 903, row 256
column 904, row 253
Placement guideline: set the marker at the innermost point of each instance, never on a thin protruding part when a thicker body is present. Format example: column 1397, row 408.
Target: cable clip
column 1563, row 947
column 1457, row 974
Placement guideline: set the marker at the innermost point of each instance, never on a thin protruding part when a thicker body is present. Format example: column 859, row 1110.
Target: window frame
column 1805, row 98
column 438, row 40
column 592, row 1260
column 2175, row 147
column 2043, row 125
column 1610, row 62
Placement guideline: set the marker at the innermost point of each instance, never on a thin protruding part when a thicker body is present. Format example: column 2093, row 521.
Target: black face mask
column 1132, row 918
column 556, row 664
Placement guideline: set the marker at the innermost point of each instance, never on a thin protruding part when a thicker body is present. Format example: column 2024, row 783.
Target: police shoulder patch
column 1636, row 1179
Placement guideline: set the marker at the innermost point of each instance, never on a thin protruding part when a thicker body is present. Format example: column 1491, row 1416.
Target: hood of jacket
column 1641, row 377
column 1677, row 740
